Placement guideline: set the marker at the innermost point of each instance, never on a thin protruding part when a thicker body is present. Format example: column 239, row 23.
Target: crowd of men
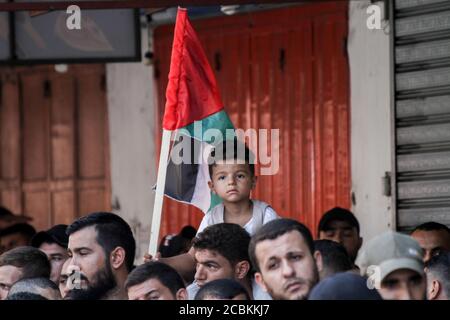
column 242, row 250
column 93, row 258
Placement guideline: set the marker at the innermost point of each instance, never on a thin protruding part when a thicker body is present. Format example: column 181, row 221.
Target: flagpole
column 159, row 196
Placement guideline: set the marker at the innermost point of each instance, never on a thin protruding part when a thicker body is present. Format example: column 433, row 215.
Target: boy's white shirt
column 267, row 214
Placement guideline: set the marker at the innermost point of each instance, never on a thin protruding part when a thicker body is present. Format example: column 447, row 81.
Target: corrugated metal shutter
column 284, row 69
column 422, row 91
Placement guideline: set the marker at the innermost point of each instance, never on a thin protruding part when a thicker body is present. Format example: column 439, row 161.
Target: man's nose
column 199, row 273
column 287, row 269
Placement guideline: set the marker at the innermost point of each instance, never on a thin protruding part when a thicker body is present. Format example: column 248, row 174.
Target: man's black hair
column 33, row 262
column 24, row 229
column 275, row 229
column 431, row 226
column 335, row 258
column 439, row 266
column 33, row 285
column 338, row 214
column 228, row 239
column 112, row 232
column 231, row 149
column 162, row 272
column 25, row 296
column 224, row 289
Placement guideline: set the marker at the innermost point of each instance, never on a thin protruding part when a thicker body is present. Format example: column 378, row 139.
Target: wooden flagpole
column 159, row 196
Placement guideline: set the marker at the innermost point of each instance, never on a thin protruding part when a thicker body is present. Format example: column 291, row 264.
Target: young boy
column 232, row 172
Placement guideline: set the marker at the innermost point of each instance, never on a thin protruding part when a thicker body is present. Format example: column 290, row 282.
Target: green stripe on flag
column 217, row 121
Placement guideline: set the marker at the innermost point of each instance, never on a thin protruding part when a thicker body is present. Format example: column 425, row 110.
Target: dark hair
column 173, row 245
column 32, row 285
column 274, row 229
column 334, row 256
column 24, row 229
column 4, row 212
column 338, row 214
column 33, row 262
column 25, row 296
column 228, row 239
column 188, row 232
column 162, row 272
column 431, row 226
column 221, row 289
column 112, row 232
column 231, row 149
column 439, row 266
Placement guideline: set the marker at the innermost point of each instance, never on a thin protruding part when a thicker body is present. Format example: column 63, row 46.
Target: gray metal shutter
column 422, row 111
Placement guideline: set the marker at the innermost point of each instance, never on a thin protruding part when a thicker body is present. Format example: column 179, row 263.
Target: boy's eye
column 221, row 178
column 241, row 176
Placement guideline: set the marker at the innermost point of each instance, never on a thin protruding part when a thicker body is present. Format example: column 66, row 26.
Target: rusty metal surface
column 54, row 151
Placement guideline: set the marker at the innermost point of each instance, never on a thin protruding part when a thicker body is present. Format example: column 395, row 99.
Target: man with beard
column 282, row 253
column 102, row 249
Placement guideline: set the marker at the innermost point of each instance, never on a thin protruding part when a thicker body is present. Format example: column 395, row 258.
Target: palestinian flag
column 195, row 110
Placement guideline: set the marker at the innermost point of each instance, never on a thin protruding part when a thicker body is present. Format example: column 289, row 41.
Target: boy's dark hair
column 439, row 266
column 431, row 226
column 221, row 289
column 338, row 214
column 334, row 256
column 112, row 232
column 33, row 262
column 24, row 229
column 274, row 229
column 25, row 296
column 162, row 272
column 228, row 239
column 231, row 149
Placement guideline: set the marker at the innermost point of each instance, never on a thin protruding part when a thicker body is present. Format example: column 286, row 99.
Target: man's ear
column 319, row 261
column 434, row 289
column 241, row 269
column 117, row 257
column 260, row 281
column 181, row 294
column 360, row 242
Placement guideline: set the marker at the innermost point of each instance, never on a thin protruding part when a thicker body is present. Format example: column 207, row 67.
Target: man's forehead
column 432, row 235
column 339, row 224
column 85, row 237
column 401, row 274
column 207, row 254
column 289, row 242
column 7, row 272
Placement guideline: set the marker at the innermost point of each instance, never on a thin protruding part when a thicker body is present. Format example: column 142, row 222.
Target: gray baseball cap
column 389, row 252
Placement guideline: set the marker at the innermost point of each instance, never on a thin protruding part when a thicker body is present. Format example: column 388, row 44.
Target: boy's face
column 232, row 182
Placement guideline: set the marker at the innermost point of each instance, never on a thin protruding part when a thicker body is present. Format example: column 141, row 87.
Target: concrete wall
column 132, row 106
column 369, row 55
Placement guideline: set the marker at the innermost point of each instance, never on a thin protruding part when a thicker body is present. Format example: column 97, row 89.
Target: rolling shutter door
column 422, row 111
